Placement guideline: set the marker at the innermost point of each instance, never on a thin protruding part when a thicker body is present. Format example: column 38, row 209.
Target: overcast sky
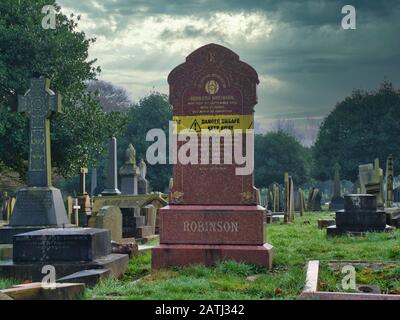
column 306, row 62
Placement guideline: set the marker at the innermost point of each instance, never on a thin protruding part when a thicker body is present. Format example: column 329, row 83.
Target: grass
column 294, row 245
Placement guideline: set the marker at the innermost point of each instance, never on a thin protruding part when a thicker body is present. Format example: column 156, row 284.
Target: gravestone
column 93, row 182
column 314, row 200
column 129, row 172
column 110, row 218
column 302, row 202
column 112, row 178
column 143, row 184
column 213, row 213
column 360, row 215
column 337, row 201
column 289, row 199
column 371, row 181
column 150, row 212
column 39, row 205
column 389, row 181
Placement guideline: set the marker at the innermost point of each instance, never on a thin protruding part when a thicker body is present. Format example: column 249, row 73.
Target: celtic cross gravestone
column 39, row 205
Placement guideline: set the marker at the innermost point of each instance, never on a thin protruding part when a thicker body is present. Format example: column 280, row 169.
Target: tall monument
column 213, row 213
column 337, row 201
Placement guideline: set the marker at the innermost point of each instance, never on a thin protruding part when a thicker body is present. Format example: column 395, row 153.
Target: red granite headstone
column 213, row 213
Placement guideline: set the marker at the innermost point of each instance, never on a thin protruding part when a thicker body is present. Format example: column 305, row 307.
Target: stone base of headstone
column 166, row 255
column 208, row 234
column 336, row 204
column 336, row 231
column 68, row 250
column 36, row 208
column 360, row 215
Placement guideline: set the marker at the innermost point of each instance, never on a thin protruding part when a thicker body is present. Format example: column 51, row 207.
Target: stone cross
column 76, row 208
column 82, row 179
column 39, row 103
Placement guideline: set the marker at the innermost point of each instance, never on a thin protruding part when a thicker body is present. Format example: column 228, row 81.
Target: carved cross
column 39, row 103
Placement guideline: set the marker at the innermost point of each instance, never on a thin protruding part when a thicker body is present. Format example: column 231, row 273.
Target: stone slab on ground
column 144, row 231
column 116, row 263
column 89, row 277
column 310, row 291
column 37, row 291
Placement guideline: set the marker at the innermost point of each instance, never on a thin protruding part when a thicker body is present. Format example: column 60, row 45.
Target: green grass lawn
column 294, row 245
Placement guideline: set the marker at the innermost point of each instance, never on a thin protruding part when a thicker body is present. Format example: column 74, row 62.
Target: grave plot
column 352, row 280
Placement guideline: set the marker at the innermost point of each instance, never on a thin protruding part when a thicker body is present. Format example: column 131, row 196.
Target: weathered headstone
column 360, row 215
column 112, row 178
column 150, row 212
column 302, row 202
column 143, row 184
column 289, row 199
column 213, row 214
column 129, row 172
column 389, row 181
column 39, row 205
column 314, row 200
column 93, row 182
column 371, row 181
column 110, row 218
column 337, row 201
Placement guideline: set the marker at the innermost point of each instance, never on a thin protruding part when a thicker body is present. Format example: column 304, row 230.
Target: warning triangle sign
column 195, row 126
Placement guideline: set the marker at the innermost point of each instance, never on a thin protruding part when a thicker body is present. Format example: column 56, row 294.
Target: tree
column 153, row 111
column 28, row 50
column 362, row 127
column 110, row 97
column 277, row 153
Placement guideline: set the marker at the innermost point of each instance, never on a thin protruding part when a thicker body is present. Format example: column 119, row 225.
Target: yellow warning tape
column 215, row 122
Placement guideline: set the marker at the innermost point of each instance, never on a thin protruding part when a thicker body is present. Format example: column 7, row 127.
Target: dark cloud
column 307, row 63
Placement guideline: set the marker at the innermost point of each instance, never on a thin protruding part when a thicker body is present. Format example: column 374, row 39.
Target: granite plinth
column 187, row 224
column 358, row 219
column 182, row 255
column 70, row 244
column 39, row 206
